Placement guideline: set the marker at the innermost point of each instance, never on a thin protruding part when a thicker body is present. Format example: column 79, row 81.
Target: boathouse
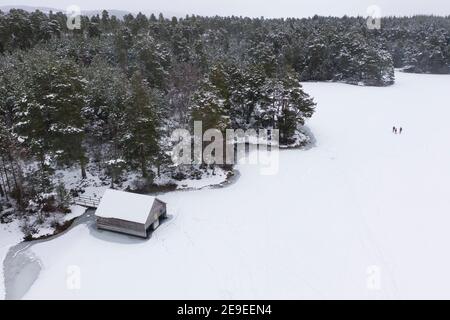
column 129, row 213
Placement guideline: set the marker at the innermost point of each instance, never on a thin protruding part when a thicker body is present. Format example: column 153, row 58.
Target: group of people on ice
column 397, row 130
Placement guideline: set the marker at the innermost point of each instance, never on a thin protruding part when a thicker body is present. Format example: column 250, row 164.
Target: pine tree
column 208, row 107
column 50, row 111
column 153, row 60
column 123, row 42
column 140, row 142
column 297, row 106
column 284, row 106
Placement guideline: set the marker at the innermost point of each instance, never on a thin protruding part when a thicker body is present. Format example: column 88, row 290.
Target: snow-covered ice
column 10, row 235
column 363, row 214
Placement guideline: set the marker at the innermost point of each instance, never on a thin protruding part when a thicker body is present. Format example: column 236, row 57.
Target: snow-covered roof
column 125, row 206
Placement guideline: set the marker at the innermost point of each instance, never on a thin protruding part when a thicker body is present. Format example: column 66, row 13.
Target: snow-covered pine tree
column 152, row 59
column 285, row 106
column 208, row 107
column 140, row 141
column 49, row 112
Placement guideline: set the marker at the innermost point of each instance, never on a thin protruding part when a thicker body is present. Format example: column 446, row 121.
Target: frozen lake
column 363, row 214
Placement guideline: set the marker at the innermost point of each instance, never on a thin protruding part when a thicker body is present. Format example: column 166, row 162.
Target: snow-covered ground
column 364, row 214
column 208, row 179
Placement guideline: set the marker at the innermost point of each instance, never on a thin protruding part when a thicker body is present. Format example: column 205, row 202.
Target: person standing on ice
column 401, row 130
column 394, row 130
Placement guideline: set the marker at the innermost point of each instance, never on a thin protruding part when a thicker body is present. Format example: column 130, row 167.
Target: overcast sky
column 254, row 8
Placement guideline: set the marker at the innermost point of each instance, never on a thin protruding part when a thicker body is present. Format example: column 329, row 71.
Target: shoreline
column 21, row 268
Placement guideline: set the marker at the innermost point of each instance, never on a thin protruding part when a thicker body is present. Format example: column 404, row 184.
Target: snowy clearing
column 362, row 198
